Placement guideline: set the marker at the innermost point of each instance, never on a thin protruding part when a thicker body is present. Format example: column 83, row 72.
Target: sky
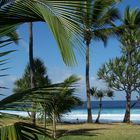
column 46, row 48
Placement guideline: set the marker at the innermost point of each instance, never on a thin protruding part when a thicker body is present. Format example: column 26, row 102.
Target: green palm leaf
column 60, row 17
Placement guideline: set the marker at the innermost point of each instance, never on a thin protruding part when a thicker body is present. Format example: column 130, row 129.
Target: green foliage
column 123, row 73
column 5, row 40
column 41, row 77
column 58, row 98
column 119, row 75
column 97, row 19
column 63, row 101
column 60, row 17
column 101, row 93
column 22, row 131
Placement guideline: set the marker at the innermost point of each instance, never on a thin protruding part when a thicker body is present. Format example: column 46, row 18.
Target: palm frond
column 60, row 16
column 22, row 131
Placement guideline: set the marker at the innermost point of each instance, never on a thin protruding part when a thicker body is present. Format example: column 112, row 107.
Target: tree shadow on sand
column 79, row 132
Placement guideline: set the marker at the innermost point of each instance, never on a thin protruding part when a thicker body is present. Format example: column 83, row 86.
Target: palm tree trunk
column 128, row 106
column 31, row 62
column 99, row 113
column 89, row 117
column 45, row 120
column 54, row 126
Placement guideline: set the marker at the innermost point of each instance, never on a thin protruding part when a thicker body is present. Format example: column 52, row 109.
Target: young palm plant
column 100, row 94
column 62, row 102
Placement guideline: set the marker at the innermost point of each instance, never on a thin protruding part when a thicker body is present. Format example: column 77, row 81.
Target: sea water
column 112, row 111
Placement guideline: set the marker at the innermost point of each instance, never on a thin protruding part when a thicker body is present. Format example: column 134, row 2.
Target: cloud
column 57, row 74
column 8, row 82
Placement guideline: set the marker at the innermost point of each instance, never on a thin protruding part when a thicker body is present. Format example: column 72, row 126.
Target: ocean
column 113, row 111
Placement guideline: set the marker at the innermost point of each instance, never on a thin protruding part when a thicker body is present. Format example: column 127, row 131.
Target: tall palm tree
column 32, row 70
column 96, row 19
column 130, row 40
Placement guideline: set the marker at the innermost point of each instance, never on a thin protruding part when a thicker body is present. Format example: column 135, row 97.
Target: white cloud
column 8, row 82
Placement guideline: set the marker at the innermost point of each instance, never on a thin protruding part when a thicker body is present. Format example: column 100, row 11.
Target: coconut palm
column 100, row 94
column 96, row 18
column 32, row 69
column 62, row 102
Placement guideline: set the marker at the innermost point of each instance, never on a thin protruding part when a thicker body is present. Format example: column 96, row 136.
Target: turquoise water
column 107, row 115
column 107, row 111
column 113, row 111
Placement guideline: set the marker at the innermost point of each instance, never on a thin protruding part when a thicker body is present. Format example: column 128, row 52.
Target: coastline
column 72, row 117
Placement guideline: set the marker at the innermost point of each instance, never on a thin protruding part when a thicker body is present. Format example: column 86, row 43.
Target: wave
column 103, row 117
column 82, row 117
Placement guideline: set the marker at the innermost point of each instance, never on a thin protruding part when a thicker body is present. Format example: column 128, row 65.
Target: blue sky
column 46, row 49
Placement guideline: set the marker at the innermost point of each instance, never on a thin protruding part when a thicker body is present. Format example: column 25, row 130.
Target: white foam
column 103, row 117
column 72, row 116
column 20, row 113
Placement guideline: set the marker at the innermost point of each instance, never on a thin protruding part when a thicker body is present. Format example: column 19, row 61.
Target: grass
column 115, row 131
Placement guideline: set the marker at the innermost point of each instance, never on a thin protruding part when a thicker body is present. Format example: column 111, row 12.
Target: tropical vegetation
column 97, row 19
column 75, row 26
column 123, row 73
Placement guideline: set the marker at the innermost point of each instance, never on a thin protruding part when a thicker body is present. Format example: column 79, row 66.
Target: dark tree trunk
column 54, row 126
column 99, row 113
column 31, row 62
column 128, row 92
column 45, row 120
column 128, row 107
column 89, row 117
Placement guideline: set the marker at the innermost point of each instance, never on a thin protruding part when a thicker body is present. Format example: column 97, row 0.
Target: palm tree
column 32, row 69
column 96, row 18
column 62, row 17
column 62, row 102
column 130, row 40
column 100, row 94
